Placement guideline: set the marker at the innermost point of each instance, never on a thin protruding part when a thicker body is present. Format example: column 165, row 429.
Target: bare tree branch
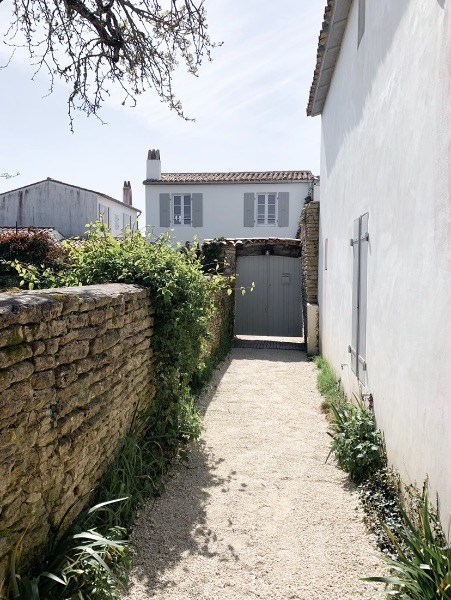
column 8, row 175
column 92, row 44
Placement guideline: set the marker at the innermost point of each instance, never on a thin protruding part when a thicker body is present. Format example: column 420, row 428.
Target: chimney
column 153, row 165
column 127, row 193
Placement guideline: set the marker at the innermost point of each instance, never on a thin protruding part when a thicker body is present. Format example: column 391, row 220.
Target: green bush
column 356, row 443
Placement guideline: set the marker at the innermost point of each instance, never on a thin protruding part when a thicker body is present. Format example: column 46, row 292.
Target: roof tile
column 233, row 177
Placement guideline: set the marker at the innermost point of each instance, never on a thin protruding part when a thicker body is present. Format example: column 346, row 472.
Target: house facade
column 230, row 205
column 382, row 86
column 66, row 208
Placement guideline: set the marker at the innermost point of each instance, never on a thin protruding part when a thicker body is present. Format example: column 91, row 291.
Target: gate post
column 309, row 236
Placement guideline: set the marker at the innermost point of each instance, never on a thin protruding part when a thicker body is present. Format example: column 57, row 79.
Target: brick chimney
column 127, row 193
column 153, row 165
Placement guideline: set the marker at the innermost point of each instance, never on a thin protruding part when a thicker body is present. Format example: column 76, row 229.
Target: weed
column 327, row 384
column 356, row 443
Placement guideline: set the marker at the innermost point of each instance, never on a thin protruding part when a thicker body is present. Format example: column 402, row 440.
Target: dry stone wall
column 74, row 365
column 309, row 237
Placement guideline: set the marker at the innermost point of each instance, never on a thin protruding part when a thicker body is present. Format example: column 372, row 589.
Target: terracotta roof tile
column 322, row 40
column 234, row 177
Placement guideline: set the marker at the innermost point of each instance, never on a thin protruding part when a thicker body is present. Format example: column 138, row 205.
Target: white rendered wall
column 223, row 210
column 386, row 150
column 116, row 212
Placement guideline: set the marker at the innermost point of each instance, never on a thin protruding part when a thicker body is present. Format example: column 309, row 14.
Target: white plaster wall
column 386, row 149
column 49, row 204
column 118, row 209
column 223, row 210
column 54, row 204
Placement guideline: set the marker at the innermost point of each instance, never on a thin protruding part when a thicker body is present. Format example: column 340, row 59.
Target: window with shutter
column 359, row 243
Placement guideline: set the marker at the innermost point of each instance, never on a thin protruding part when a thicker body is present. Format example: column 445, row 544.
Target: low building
column 66, row 208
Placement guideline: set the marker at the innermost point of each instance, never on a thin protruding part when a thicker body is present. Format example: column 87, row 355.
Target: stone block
column 42, row 380
column 11, row 336
column 77, row 320
column 65, row 375
column 14, row 354
column 41, row 363
column 36, row 331
column 38, row 348
column 52, row 346
column 15, row 373
column 105, row 342
column 72, row 351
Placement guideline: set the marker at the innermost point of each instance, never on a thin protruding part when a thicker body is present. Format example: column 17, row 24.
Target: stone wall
column 309, row 260
column 74, row 364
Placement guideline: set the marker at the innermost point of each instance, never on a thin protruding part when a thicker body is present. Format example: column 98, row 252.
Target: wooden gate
column 274, row 308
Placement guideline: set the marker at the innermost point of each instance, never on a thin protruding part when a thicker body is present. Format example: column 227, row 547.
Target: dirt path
column 257, row 513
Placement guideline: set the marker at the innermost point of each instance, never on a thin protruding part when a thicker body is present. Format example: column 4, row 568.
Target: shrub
column 421, row 569
column 32, row 247
column 356, row 443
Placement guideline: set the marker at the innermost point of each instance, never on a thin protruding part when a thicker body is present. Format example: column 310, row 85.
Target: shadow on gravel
column 173, row 527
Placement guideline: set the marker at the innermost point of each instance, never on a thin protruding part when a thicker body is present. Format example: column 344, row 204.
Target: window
column 182, row 209
column 361, row 21
column 266, row 209
column 117, row 224
column 326, row 247
column 359, row 243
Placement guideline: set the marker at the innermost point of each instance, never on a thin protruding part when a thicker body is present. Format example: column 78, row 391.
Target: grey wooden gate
column 274, row 308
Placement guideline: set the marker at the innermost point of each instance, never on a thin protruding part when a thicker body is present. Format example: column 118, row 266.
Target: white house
column 67, row 208
column 232, row 205
column 382, row 86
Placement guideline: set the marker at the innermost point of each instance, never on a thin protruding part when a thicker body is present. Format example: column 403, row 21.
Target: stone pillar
column 309, row 262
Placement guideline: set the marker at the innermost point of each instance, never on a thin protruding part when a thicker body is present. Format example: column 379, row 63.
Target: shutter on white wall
column 283, row 211
column 355, row 295
column 197, row 201
column 363, row 268
column 165, row 210
column 249, row 210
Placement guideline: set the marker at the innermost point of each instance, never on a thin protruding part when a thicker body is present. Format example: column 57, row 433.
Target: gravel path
column 256, row 513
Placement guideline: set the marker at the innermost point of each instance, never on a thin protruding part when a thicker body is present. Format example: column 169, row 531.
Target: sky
column 249, row 106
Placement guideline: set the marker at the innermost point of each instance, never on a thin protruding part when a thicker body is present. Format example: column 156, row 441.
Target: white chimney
column 127, row 193
column 153, row 165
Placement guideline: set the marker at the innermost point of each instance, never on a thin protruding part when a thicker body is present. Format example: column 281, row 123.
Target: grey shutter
column 283, row 211
column 165, row 210
column 363, row 264
column 355, row 296
column 196, row 201
column 249, row 209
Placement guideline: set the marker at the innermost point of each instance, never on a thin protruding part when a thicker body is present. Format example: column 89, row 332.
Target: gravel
column 256, row 513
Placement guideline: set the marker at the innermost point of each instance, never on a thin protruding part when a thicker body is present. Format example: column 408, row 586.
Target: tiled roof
column 243, row 177
column 329, row 44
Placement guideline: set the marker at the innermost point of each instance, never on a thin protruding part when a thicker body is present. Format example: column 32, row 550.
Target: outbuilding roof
column 77, row 187
column 329, row 45
column 233, row 177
